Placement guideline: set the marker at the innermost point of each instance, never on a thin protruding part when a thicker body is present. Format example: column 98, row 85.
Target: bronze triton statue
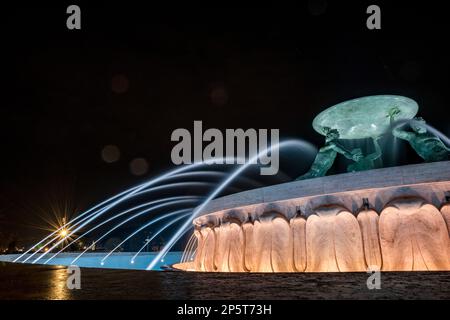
column 427, row 145
column 327, row 154
column 367, row 162
column 355, row 119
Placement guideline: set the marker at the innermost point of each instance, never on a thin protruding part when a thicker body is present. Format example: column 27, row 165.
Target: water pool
column 121, row 260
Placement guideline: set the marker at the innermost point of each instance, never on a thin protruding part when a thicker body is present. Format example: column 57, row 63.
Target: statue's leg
column 308, row 175
column 320, row 167
column 312, row 173
column 303, row 177
column 351, row 168
column 363, row 165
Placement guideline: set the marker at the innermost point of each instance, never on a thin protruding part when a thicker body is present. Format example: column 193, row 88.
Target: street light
column 63, row 233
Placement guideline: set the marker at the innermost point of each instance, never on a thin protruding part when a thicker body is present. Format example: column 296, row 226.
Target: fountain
column 393, row 219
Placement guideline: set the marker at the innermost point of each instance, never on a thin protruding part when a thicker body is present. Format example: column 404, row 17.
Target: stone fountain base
column 319, row 225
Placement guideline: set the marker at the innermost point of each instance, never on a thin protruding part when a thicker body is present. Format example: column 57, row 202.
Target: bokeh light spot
column 218, row 95
column 317, row 7
column 110, row 153
column 120, row 83
column 138, row 166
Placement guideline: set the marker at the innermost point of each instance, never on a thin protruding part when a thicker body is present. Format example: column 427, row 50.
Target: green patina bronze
column 427, row 145
column 327, row 154
column 367, row 162
column 362, row 118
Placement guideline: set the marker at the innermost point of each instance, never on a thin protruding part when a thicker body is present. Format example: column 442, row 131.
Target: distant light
column 120, row 83
column 219, row 95
column 138, row 166
column 45, row 249
column 63, row 233
column 317, row 7
column 132, row 261
column 102, row 263
column 162, row 260
column 110, row 153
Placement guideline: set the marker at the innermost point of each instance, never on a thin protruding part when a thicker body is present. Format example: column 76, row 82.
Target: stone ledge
column 428, row 180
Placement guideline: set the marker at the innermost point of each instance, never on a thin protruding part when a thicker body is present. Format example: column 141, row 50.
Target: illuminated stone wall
column 407, row 235
column 405, row 228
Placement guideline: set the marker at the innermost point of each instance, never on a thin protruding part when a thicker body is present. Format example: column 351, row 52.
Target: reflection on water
column 19, row 281
column 118, row 260
column 57, row 281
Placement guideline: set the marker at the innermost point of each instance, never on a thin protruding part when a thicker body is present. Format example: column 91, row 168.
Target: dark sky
column 133, row 74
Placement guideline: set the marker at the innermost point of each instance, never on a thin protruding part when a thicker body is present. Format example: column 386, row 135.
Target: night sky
column 133, row 74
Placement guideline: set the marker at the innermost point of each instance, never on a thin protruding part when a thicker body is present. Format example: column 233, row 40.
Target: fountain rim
column 383, row 178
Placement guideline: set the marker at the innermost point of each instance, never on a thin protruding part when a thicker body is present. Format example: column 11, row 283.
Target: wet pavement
column 19, row 281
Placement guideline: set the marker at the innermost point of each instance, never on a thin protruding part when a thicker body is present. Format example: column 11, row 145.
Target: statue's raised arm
column 427, row 145
column 367, row 162
column 396, row 131
column 327, row 154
